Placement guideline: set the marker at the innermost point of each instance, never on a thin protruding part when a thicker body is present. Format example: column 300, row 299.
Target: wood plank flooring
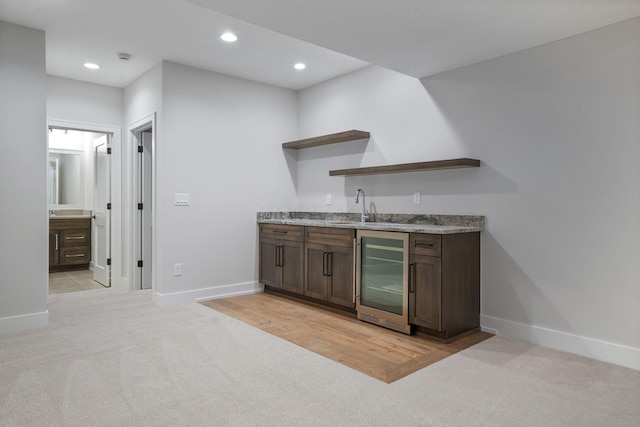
column 381, row 353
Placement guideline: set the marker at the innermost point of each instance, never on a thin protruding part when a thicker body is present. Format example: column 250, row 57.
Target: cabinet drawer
column 75, row 255
column 425, row 244
column 282, row 232
column 330, row 236
column 74, row 237
column 69, row 223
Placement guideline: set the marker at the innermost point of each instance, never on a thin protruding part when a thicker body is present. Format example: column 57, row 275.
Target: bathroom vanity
column 69, row 243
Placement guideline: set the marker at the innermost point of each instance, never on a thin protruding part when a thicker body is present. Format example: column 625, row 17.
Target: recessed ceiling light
column 91, row 65
column 229, row 37
column 300, row 66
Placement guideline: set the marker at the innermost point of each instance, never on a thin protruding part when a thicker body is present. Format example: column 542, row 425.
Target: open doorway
column 79, row 195
column 145, row 208
column 141, row 188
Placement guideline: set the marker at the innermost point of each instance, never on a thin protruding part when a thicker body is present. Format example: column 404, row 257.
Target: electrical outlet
column 328, row 199
column 181, row 199
column 177, row 269
column 416, row 198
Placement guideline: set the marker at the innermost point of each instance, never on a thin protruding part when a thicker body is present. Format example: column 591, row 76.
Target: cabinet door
column 269, row 262
column 425, row 296
column 54, row 248
column 292, row 265
column 315, row 280
column 340, row 275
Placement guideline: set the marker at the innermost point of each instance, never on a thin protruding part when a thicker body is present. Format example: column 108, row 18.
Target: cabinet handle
column 329, row 264
column 412, row 277
column 277, row 256
column 57, row 236
column 423, row 244
column 281, row 256
column 74, row 238
column 75, row 256
column 279, row 231
column 324, row 263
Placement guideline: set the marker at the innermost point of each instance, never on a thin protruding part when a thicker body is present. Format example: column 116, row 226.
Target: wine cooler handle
column 355, row 257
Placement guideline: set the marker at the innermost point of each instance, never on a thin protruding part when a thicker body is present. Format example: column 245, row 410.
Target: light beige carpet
column 112, row 358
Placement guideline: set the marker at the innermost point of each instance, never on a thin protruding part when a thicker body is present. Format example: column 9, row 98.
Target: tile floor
column 72, row 281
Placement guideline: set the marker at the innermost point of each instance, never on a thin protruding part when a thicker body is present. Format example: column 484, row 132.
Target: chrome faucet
column 364, row 215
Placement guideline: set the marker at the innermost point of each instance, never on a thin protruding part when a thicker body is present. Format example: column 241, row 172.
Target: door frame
column 115, row 132
column 134, row 131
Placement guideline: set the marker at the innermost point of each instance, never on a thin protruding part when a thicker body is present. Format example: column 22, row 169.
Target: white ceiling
column 415, row 37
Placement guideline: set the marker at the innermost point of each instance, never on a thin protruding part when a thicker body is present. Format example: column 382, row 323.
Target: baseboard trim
column 604, row 351
column 198, row 295
column 9, row 325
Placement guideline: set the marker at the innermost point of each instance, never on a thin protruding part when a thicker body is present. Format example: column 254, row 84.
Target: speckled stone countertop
column 433, row 224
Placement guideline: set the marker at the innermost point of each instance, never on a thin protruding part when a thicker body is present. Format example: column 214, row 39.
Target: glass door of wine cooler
column 382, row 279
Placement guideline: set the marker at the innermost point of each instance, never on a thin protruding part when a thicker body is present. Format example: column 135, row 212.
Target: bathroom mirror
column 66, row 179
column 67, row 167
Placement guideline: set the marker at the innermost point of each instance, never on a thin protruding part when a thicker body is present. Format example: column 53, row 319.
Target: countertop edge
column 410, row 228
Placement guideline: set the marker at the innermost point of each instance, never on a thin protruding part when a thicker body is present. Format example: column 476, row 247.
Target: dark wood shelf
column 409, row 167
column 350, row 135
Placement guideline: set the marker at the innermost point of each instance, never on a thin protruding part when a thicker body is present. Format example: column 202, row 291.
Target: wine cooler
column 382, row 285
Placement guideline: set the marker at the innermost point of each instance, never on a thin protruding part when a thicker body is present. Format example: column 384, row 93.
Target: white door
column 146, row 213
column 101, row 218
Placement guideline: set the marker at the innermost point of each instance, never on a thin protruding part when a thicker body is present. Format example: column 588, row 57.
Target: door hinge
column 108, row 150
column 140, row 148
column 108, row 206
column 139, row 206
column 140, row 263
column 108, row 261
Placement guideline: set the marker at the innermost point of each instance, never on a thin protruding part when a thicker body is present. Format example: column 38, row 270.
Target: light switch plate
column 181, row 199
column 416, row 198
column 328, row 199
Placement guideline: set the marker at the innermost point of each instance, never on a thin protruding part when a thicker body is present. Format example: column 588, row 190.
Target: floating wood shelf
column 409, row 167
column 350, row 135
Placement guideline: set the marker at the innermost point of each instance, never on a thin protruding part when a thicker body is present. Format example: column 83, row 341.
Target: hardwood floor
column 372, row 350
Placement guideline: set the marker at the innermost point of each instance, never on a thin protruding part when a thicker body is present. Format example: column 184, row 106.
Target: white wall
column 83, row 102
column 23, row 179
column 221, row 143
column 142, row 100
column 556, row 129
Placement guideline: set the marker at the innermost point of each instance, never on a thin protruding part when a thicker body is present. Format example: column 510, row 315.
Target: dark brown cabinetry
column 317, row 264
column 282, row 256
column 444, row 283
column 69, row 243
column 328, row 274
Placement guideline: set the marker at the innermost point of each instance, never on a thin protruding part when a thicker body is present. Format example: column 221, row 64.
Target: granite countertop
column 432, row 224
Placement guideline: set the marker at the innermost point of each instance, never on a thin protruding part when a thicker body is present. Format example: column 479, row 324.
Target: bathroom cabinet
column 69, row 243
